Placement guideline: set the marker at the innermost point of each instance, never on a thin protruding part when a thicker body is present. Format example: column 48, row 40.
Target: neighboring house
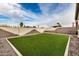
column 77, row 17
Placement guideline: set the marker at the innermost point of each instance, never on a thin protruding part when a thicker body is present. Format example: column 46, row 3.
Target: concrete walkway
column 6, row 49
column 74, row 46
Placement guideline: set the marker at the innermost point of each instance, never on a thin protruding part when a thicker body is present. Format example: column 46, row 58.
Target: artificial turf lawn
column 41, row 44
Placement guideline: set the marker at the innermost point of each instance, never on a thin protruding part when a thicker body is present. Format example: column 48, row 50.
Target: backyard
column 41, row 44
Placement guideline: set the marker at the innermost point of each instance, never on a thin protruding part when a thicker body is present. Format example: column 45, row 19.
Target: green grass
column 41, row 44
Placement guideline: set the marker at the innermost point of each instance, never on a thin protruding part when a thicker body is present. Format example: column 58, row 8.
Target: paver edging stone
column 18, row 53
column 67, row 47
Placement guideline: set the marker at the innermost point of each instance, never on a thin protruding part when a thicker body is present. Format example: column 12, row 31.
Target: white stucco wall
column 22, row 31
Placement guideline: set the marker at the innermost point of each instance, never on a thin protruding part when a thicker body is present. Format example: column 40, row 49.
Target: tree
column 34, row 26
column 21, row 24
column 59, row 25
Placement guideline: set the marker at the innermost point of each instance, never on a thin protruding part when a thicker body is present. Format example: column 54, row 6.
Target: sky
column 33, row 14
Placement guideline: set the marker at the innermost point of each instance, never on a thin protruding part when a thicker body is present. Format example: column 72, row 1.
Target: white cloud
column 17, row 13
column 65, row 17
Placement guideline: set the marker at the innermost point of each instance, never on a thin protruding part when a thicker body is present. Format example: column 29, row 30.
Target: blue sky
column 43, row 14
